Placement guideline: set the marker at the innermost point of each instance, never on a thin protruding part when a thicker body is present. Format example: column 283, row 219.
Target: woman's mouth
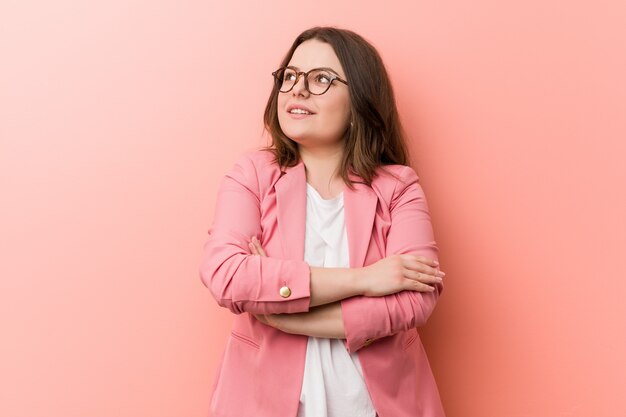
column 299, row 113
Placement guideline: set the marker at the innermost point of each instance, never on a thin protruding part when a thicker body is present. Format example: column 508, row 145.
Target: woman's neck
column 322, row 170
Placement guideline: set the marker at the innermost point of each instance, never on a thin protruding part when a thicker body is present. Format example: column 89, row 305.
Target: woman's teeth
column 298, row 111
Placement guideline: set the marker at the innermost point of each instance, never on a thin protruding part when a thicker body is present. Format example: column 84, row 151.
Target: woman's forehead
column 315, row 54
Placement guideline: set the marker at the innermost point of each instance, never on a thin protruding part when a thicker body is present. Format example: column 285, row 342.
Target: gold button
column 368, row 342
column 285, row 292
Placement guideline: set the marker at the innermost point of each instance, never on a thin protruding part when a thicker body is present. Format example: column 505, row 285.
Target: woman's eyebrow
column 324, row 68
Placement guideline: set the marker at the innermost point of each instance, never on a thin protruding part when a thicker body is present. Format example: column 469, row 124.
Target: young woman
column 322, row 247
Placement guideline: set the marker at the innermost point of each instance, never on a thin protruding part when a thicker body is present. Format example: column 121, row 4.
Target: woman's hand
column 396, row 273
column 255, row 247
column 269, row 319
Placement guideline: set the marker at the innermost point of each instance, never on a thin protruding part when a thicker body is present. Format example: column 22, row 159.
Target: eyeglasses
column 316, row 81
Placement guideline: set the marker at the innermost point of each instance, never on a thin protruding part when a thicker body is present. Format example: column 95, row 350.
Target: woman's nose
column 299, row 88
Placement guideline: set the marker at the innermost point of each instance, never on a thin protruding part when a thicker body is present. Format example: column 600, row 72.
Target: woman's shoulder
column 260, row 158
column 395, row 175
column 397, row 183
column 255, row 169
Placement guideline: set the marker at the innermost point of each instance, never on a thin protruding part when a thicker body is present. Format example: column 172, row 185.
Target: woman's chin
column 298, row 137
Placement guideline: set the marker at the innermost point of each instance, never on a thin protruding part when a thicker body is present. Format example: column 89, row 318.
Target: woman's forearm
column 327, row 285
column 322, row 321
column 334, row 284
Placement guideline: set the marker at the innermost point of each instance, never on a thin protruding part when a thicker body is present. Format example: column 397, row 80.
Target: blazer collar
column 359, row 210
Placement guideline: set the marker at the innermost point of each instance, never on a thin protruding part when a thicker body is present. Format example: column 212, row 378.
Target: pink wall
column 119, row 118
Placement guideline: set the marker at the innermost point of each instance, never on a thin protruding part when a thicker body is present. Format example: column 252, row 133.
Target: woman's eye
column 323, row 78
column 290, row 76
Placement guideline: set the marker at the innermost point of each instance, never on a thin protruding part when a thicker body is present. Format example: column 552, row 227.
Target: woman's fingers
column 252, row 248
column 421, row 264
column 423, row 259
column 268, row 319
column 422, row 274
column 419, row 286
column 255, row 247
column 261, row 318
column 259, row 248
column 422, row 277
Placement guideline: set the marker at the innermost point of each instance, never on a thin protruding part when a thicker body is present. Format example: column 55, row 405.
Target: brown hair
column 375, row 137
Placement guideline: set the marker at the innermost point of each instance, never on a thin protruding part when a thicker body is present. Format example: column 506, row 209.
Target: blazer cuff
column 290, row 293
column 363, row 321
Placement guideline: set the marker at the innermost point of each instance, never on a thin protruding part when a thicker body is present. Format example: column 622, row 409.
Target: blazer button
column 368, row 342
column 285, row 292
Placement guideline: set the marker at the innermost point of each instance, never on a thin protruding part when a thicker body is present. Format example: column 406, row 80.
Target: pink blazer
column 261, row 370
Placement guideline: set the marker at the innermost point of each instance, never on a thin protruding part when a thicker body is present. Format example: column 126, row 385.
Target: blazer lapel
column 291, row 210
column 359, row 212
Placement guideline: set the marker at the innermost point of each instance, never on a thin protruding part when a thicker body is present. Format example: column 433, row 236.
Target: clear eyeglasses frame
column 316, row 81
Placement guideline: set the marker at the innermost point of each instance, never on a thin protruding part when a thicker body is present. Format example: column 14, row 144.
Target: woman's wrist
column 334, row 284
column 356, row 278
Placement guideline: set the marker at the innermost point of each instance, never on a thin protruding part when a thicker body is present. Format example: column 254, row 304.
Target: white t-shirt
column 333, row 384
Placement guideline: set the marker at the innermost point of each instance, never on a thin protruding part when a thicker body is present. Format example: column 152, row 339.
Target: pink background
column 119, row 118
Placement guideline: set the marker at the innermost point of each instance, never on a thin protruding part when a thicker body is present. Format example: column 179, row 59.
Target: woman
column 322, row 247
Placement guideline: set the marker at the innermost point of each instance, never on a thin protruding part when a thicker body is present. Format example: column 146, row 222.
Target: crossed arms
column 245, row 282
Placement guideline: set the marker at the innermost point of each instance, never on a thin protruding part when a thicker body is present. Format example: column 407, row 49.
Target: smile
column 299, row 111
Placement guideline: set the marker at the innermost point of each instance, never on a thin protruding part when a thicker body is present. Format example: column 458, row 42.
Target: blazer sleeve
column 237, row 279
column 369, row 318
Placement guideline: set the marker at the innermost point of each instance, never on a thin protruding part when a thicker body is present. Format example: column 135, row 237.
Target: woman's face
column 330, row 112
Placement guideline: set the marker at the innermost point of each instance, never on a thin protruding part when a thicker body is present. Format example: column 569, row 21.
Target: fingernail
column 436, row 263
column 441, row 273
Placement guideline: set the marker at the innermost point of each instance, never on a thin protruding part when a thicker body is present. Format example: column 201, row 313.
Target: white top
column 333, row 384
